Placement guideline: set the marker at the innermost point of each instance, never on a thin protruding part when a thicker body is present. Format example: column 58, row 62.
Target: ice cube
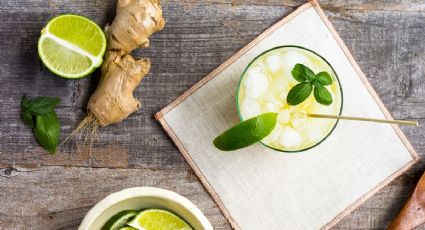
column 315, row 130
column 270, row 107
column 273, row 137
column 283, row 116
column 298, row 120
column 270, row 102
column 256, row 85
column 290, row 59
column 290, row 138
column 279, row 85
column 298, row 123
column 273, row 62
column 321, row 109
column 256, row 69
column 269, row 97
column 283, row 95
column 250, row 108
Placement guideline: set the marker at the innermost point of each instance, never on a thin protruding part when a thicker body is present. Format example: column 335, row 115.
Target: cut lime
column 71, row 46
column 157, row 219
column 246, row 133
column 120, row 220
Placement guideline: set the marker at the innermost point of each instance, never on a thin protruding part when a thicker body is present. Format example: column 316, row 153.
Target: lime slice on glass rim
column 119, row 220
column 246, row 133
column 71, row 46
column 158, row 219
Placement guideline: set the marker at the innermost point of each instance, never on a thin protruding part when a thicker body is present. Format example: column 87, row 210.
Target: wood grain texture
column 42, row 198
column 386, row 38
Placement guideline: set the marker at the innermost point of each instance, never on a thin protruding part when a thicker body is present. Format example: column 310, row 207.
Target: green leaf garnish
column 47, row 130
column 299, row 93
column 302, row 73
column 324, row 78
column 298, row 72
column 26, row 114
column 43, row 105
column 39, row 114
column 322, row 95
column 309, row 82
column 28, row 118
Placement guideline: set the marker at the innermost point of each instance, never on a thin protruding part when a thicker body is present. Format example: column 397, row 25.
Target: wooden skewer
column 398, row 122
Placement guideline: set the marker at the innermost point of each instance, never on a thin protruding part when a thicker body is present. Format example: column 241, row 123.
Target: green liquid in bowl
column 264, row 86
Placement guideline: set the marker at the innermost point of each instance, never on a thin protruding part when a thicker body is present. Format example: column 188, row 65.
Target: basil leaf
column 298, row 72
column 316, row 83
column 324, row 78
column 309, row 74
column 24, row 103
column 26, row 115
column 47, row 131
column 302, row 73
column 299, row 93
column 322, row 95
column 40, row 115
column 43, row 105
column 27, row 118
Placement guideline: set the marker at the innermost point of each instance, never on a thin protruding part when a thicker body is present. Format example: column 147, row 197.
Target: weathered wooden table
column 39, row 191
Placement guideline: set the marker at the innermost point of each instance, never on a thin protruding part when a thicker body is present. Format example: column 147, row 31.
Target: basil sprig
column 39, row 114
column 309, row 82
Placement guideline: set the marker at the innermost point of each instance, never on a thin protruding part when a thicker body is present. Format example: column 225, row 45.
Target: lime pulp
column 72, row 46
column 158, row 219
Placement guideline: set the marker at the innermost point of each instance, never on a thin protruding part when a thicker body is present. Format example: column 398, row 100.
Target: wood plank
column 59, row 197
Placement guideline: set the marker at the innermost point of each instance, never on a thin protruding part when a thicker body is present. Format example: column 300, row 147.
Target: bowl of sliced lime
column 145, row 208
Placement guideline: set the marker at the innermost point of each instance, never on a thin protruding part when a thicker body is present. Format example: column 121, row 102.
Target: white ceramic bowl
column 141, row 198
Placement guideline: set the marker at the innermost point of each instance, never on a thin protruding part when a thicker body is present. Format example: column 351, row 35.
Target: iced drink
column 264, row 87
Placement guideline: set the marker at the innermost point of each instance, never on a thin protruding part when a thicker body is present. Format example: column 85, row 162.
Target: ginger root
column 113, row 99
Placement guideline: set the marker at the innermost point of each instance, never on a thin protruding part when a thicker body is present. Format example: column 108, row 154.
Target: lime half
column 71, row 46
column 246, row 133
column 118, row 221
column 157, row 219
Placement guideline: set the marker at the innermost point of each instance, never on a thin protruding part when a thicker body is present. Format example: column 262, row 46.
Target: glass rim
column 311, row 51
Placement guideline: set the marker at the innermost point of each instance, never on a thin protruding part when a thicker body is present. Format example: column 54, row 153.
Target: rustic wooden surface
column 39, row 191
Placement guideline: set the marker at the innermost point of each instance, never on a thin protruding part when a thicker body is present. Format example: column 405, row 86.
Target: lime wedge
column 246, row 133
column 119, row 220
column 128, row 228
column 71, row 46
column 157, row 219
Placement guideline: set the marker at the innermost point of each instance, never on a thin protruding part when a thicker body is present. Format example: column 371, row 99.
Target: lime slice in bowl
column 246, row 133
column 119, row 220
column 158, row 219
column 71, row 46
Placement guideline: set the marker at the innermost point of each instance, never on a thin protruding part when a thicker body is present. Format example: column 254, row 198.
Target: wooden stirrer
column 398, row 122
